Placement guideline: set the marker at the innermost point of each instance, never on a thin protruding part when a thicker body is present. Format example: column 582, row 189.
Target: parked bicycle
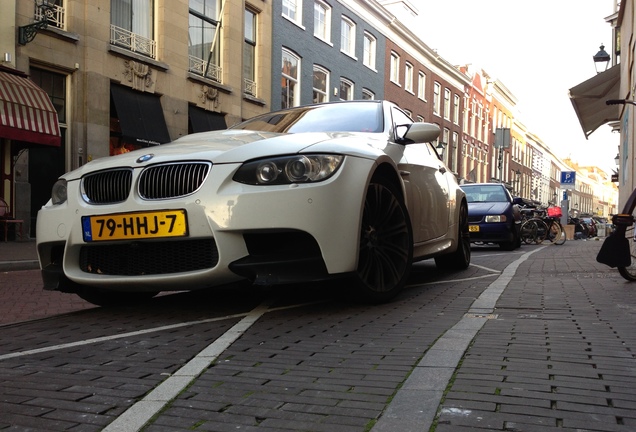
column 540, row 225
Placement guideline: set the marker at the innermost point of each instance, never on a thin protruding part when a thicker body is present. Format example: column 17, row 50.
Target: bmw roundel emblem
column 145, row 158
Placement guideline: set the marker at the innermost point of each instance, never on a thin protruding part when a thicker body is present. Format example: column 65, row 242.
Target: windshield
column 334, row 117
column 486, row 193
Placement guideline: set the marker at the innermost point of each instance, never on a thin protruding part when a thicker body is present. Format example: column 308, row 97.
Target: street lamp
column 601, row 60
column 28, row 32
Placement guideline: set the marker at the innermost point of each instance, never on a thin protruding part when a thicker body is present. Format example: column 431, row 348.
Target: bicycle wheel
column 556, row 233
column 528, row 231
column 542, row 231
column 563, row 237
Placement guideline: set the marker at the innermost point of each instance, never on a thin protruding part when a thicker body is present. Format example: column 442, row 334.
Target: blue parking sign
column 567, row 178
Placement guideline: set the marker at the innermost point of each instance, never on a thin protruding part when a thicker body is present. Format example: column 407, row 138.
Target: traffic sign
column 568, row 178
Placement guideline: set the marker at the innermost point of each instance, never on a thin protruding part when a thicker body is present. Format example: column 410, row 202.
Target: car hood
column 488, row 208
column 238, row 146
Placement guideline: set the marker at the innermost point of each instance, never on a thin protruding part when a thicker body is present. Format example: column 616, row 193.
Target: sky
column 538, row 49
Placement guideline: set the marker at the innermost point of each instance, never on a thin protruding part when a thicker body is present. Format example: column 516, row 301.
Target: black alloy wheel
column 386, row 245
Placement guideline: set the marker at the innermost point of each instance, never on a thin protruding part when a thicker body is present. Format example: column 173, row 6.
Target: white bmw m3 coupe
column 349, row 190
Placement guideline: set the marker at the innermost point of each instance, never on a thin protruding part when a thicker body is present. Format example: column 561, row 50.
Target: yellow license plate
column 473, row 228
column 139, row 225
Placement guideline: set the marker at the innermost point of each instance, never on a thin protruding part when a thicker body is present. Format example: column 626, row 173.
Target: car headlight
column 495, row 218
column 59, row 192
column 288, row 169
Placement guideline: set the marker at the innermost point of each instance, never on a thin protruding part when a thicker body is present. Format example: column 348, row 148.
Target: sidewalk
column 18, row 255
column 547, row 346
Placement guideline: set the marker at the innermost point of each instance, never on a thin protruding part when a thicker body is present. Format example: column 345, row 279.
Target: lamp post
column 28, row 32
column 601, row 60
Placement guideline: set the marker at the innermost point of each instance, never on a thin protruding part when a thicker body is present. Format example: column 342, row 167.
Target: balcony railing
column 54, row 15
column 197, row 66
column 250, row 87
column 134, row 42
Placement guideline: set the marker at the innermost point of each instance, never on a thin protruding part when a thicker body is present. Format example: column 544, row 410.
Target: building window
column 446, row 144
column 367, row 94
column 55, row 86
column 408, row 77
column 202, row 27
column 321, row 84
column 436, row 98
column 249, row 53
column 132, row 26
column 347, row 36
column 346, row 89
column 456, row 109
column 421, row 86
column 290, row 80
column 292, row 9
column 369, row 51
column 322, row 21
column 420, row 119
column 454, row 146
column 447, row 104
column 395, row 68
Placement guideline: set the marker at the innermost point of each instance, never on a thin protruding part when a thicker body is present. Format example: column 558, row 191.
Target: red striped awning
column 26, row 111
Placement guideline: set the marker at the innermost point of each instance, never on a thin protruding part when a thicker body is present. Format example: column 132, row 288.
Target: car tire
column 106, row 298
column 385, row 252
column 460, row 259
column 514, row 243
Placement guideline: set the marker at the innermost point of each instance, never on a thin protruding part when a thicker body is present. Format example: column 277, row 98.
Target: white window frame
column 367, row 94
column 348, row 83
column 456, row 100
column 437, row 96
column 447, row 103
column 324, row 92
column 322, row 30
column 295, row 6
column 369, row 50
column 408, row 77
column 249, row 75
column 295, row 101
column 421, row 86
column 348, row 36
column 394, row 73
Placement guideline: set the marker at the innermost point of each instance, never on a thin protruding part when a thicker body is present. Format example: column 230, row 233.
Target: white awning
column 588, row 99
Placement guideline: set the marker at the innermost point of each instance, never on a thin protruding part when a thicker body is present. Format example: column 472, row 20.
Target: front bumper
column 492, row 233
column 220, row 215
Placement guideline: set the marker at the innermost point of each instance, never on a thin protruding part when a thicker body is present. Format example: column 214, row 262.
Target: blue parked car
column 493, row 216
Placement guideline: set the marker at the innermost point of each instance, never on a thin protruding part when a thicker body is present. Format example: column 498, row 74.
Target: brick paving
column 556, row 354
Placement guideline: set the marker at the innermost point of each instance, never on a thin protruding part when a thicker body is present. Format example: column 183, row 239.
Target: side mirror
column 421, row 133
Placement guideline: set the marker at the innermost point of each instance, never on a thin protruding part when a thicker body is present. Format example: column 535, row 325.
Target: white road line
column 136, row 333
column 485, row 268
column 454, row 280
column 135, row 417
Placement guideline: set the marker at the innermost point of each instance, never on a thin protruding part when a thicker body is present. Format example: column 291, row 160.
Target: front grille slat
column 107, row 187
column 172, row 180
column 156, row 182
